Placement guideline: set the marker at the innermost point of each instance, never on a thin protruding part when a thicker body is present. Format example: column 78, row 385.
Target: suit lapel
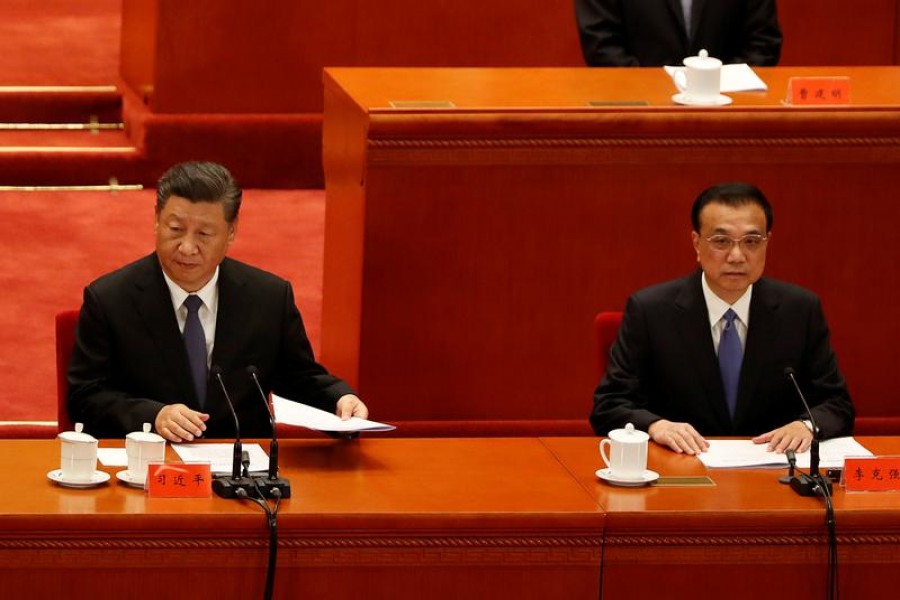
column 231, row 317
column 695, row 331
column 762, row 335
column 154, row 305
column 677, row 12
column 696, row 12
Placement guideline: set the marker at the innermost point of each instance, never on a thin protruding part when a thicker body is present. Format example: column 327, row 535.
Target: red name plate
column 179, row 480
column 872, row 474
column 818, row 90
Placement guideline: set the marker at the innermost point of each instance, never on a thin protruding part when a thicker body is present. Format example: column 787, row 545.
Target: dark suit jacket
column 129, row 358
column 646, row 33
column 664, row 365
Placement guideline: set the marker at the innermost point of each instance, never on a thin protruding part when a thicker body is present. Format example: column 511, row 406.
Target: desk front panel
column 746, row 536
column 379, row 518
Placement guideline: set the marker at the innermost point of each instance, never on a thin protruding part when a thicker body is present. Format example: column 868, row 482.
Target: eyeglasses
column 749, row 243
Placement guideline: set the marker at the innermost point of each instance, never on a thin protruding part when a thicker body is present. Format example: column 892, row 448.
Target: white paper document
column 221, row 456
column 112, row 457
column 723, row 454
column 735, row 78
column 295, row 413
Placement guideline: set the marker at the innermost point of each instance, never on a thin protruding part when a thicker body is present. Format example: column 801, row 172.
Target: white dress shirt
column 717, row 309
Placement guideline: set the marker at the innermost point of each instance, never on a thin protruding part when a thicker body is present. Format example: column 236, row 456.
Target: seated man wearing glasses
column 707, row 354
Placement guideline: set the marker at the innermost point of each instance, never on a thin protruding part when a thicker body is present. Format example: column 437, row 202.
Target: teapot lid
column 629, row 435
column 703, row 61
column 145, row 435
column 77, row 436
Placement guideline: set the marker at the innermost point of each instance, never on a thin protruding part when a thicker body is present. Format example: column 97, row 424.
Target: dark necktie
column 730, row 357
column 195, row 344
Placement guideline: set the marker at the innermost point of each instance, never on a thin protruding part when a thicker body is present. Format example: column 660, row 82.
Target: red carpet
column 59, row 42
column 55, row 243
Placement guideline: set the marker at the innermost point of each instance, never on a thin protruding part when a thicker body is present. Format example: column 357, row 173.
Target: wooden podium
column 478, row 219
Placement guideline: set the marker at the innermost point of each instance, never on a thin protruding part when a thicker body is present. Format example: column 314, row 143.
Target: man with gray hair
column 151, row 333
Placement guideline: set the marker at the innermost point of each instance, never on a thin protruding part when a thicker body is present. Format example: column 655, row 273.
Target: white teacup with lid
column 627, row 453
column 78, row 455
column 143, row 447
column 703, row 78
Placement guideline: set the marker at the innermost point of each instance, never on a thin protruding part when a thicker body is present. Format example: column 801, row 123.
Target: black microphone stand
column 268, row 485
column 226, row 486
column 812, row 483
column 792, row 464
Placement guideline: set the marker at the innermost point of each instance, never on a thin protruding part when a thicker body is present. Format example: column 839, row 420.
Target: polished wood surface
column 747, row 531
column 373, row 518
column 468, row 249
column 447, row 518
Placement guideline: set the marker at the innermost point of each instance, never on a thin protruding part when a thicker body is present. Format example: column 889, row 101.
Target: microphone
column 224, row 486
column 792, row 464
column 274, row 481
column 812, row 484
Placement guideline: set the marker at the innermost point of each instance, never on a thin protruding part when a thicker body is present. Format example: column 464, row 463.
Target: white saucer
column 644, row 479
column 127, row 478
column 97, row 478
column 720, row 100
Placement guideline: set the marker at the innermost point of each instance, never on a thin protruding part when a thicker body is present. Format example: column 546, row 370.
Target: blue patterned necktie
column 195, row 344
column 730, row 357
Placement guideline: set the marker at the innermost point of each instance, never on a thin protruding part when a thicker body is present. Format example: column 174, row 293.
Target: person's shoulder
column 247, row 273
column 127, row 275
column 666, row 290
column 778, row 290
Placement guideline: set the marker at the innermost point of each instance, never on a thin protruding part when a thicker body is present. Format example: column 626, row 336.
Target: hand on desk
column 351, row 406
column 178, row 423
column 680, row 437
column 793, row 436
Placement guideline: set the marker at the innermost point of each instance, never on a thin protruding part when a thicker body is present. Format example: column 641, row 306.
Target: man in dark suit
column 706, row 355
column 151, row 333
column 652, row 33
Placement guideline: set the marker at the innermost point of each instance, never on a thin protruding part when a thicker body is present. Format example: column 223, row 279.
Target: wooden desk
column 748, row 536
column 385, row 519
column 468, row 249
column 450, row 518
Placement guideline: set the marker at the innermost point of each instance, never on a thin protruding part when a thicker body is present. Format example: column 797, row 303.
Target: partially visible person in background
column 653, row 33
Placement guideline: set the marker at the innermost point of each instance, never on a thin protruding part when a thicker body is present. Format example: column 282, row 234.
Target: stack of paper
column 744, row 453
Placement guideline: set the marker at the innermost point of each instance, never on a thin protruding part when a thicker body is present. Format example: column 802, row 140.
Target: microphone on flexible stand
column 226, row 486
column 273, row 481
column 813, row 483
column 792, row 464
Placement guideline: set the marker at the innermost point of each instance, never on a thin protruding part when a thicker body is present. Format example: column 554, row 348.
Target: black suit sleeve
column 762, row 35
column 622, row 396
column 822, row 382
column 603, row 38
column 297, row 375
column 97, row 395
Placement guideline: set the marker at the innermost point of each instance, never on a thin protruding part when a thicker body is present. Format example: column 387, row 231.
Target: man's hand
column 178, row 423
column 680, row 437
column 793, row 436
column 351, row 406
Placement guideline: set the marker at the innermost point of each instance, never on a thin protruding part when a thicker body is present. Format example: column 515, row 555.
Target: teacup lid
column 77, row 436
column 703, row 61
column 629, row 435
column 145, row 435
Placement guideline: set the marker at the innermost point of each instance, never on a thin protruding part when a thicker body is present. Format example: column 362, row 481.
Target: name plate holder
column 422, row 104
column 179, row 480
column 872, row 473
column 818, row 91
